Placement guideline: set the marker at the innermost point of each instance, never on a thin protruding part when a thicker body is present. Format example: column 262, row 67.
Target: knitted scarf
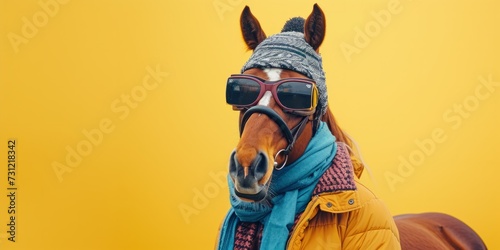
column 292, row 188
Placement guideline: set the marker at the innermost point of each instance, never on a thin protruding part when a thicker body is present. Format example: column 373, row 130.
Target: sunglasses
column 293, row 95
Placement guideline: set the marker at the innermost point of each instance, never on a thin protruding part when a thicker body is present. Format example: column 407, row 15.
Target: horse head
column 281, row 96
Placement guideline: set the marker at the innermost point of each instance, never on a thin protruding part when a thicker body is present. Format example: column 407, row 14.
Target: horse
column 282, row 110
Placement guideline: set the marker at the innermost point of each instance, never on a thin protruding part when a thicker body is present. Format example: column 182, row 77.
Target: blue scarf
column 292, row 187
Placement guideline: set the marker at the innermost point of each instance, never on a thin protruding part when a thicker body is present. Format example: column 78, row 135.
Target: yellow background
column 128, row 191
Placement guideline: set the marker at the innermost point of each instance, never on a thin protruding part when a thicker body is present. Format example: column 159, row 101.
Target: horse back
column 436, row 231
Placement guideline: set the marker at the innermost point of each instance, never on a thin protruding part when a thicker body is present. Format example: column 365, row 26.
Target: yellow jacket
column 354, row 219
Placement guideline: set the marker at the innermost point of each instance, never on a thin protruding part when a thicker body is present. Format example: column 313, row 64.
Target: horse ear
column 315, row 27
column 250, row 29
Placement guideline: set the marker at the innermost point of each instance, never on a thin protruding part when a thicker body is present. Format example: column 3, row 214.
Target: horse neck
column 302, row 141
column 305, row 137
column 341, row 136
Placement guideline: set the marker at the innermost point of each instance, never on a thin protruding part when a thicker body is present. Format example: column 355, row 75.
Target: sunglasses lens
column 241, row 92
column 296, row 95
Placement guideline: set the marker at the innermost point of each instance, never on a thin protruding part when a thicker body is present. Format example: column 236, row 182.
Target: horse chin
column 256, row 194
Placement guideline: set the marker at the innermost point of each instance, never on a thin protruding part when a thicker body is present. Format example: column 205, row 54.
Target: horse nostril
column 260, row 165
column 248, row 176
column 233, row 162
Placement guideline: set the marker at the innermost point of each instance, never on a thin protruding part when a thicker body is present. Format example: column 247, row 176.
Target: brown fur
column 438, row 231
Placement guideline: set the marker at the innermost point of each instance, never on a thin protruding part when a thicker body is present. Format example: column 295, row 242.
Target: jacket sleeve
column 372, row 226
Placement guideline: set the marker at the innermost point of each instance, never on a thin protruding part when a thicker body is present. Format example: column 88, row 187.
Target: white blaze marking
column 273, row 75
column 264, row 101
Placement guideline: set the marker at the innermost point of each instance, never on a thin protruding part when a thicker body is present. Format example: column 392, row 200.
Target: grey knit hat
column 289, row 50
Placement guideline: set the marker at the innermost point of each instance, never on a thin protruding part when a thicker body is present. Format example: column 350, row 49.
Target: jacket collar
column 336, row 189
column 340, row 175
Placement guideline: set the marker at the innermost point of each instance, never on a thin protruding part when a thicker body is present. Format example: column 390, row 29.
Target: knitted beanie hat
column 289, row 50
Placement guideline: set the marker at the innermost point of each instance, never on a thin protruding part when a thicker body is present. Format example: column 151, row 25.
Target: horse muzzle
column 248, row 179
